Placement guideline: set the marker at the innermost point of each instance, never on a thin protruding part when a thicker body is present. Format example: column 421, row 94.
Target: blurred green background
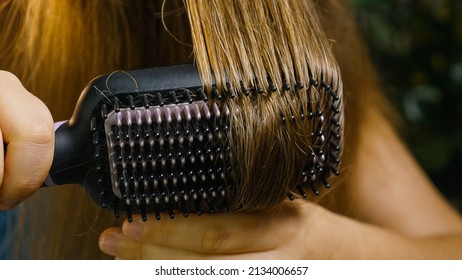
column 417, row 49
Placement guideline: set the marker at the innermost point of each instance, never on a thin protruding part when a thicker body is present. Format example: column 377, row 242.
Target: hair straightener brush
column 148, row 141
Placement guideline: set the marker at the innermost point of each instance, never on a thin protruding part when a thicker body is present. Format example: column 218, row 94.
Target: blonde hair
column 240, row 45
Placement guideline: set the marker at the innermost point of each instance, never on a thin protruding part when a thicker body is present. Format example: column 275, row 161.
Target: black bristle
column 335, row 109
column 202, row 95
column 104, row 112
column 335, row 145
column 299, row 85
column 93, row 126
column 157, row 213
column 334, row 95
column 125, row 132
column 314, row 190
column 216, row 95
column 144, row 216
column 335, row 133
column 290, row 196
column 136, row 132
column 325, row 183
column 334, row 170
column 272, row 87
column 230, row 91
column 335, row 122
column 129, row 214
column 95, row 141
column 313, row 82
column 188, row 97
column 302, row 192
column 171, row 214
column 116, row 105
column 159, row 99
column 211, row 201
column 312, row 175
column 100, row 182
column 325, row 86
column 131, row 103
column 97, row 153
column 145, row 101
column 183, row 200
column 197, row 203
column 244, row 90
column 173, row 96
column 115, row 133
column 258, row 89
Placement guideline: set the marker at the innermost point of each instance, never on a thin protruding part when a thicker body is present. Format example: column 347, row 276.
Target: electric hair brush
column 148, row 141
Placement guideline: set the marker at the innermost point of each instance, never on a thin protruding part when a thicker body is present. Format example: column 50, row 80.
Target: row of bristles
column 172, row 120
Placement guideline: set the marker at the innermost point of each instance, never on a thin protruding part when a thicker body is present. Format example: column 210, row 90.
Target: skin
column 26, row 126
column 392, row 211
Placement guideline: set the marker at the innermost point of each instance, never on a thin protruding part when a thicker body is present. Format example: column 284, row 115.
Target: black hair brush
column 148, row 141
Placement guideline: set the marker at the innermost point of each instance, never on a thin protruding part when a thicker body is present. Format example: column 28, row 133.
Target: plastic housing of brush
column 148, row 141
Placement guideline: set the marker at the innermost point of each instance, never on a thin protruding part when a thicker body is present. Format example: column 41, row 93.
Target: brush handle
column 49, row 180
column 74, row 155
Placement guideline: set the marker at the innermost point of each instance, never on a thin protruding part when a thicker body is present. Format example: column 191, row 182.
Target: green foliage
column 416, row 47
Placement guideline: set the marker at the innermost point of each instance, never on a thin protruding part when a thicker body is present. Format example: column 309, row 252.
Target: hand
column 26, row 126
column 292, row 231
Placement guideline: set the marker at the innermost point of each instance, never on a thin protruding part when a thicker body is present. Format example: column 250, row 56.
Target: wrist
column 332, row 236
column 324, row 236
column 350, row 239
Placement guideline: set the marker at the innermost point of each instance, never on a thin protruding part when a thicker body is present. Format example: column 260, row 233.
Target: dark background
column 416, row 47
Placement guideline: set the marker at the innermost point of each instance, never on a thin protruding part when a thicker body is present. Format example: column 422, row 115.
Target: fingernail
column 133, row 229
column 108, row 244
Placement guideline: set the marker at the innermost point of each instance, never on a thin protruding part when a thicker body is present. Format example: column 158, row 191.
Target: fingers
column 224, row 233
column 27, row 128
column 227, row 233
column 280, row 233
column 114, row 243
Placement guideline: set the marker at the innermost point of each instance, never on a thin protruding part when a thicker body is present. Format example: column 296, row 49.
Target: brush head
column 149, row 141
column 170, row 157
